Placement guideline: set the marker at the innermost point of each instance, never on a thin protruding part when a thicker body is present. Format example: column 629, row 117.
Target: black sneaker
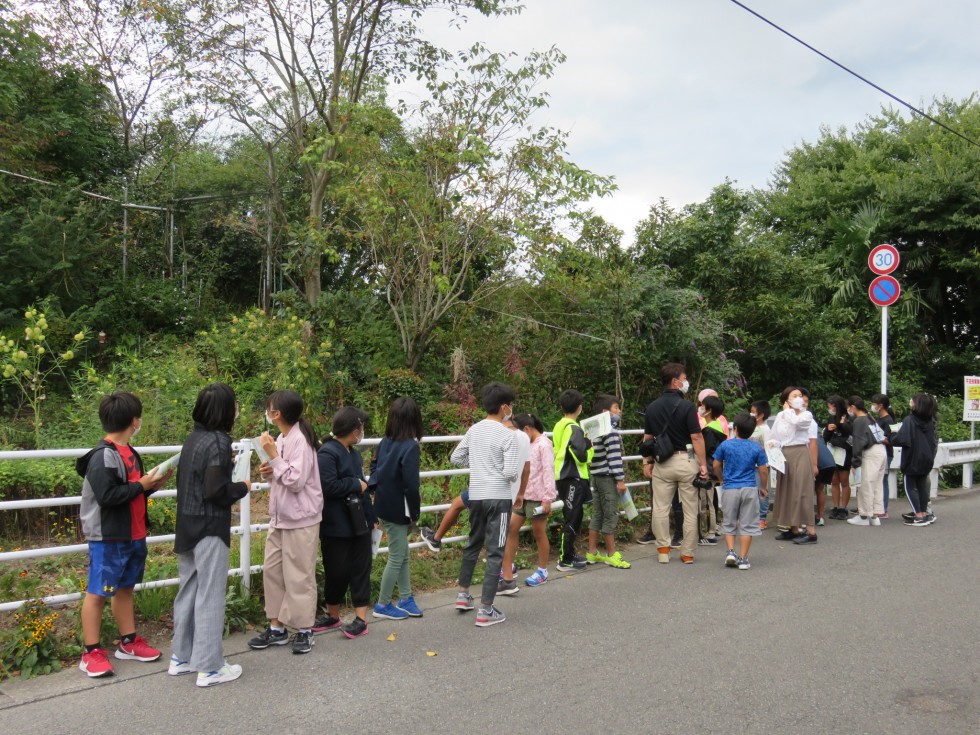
column 269, row 637
column 579, row 562
column 786, row 535
column 647, row 538
column 326, row 622
column 805, row 539
column 908, row 516
column 355, row 628
column 708, row 541
column 429, row 538
column 676, row 543
column 303, row 641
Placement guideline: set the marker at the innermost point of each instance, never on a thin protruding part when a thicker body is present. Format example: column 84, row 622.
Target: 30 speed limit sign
column 883, row 259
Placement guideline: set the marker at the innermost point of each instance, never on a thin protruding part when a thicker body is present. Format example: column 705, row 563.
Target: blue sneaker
column 537, row 579
column 389, row 611
column 409, row 606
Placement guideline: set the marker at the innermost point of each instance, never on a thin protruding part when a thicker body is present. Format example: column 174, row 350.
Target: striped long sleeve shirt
column 608, row 458
column 489, row 449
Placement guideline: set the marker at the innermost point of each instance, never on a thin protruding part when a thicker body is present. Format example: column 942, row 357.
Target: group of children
column 318, row 492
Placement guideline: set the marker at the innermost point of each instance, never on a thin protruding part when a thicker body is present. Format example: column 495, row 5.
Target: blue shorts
column 115, row 565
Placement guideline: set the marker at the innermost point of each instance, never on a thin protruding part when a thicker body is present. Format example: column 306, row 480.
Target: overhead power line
column 853, row 73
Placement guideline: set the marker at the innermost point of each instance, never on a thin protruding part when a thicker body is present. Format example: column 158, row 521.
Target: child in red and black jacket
column 113, row 515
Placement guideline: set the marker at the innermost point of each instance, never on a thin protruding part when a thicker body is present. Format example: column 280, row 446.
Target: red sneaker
column 138, row 650
column 95, row 664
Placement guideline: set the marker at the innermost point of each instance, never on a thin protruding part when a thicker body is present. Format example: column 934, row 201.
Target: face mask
column 685, row 386
column 796, row 403
column 268, row 420
column 702, row 411
column 137, row 429
column 850, row 412
column 876, row 409
column 911, row 404
column 754, row 417
column 359, row 438
column 614, row 420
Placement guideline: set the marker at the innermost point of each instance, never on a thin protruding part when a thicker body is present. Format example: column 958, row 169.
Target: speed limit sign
column 883, row 259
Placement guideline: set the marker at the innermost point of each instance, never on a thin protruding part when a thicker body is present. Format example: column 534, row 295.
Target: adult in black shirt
column 882, row 413
column 676, row 420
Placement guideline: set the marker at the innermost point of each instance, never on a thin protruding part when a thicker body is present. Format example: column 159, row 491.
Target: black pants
column 917, row 490
column 574, row 493
column 678, row 510
column 347, row 565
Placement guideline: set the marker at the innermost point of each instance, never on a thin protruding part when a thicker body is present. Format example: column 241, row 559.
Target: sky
column 670, row 97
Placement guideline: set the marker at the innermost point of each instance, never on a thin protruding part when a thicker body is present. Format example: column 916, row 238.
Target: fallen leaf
column 431, row 653
column 392, row 636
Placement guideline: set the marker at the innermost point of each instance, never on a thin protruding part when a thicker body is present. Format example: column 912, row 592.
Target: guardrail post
column 968, row 475
column 934, row 481
column 245, row 543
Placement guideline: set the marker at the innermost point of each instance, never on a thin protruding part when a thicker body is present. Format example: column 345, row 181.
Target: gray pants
column 199, row 609
column 490, row 520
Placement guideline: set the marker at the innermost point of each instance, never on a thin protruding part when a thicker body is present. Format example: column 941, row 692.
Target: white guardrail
column 243, row 530
column 950, row 453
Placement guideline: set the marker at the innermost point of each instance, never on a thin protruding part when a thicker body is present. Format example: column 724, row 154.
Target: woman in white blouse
column 794, row 487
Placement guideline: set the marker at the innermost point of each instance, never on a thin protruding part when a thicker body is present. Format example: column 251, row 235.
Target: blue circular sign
column 884, row 291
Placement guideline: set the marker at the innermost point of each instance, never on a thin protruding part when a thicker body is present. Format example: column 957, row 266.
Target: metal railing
column 950, row 453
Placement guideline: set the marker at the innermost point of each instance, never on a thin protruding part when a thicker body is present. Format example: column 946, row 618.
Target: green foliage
column 243, row 610
column 30, row 648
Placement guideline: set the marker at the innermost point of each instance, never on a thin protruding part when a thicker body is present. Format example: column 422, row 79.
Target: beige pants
column 290, row 575
column 677, row 473
column 871, row 493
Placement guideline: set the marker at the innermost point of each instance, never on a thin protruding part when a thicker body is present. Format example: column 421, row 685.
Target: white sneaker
column 228, row 672
column 874, row 521
column 858, row 521
column 178, row 667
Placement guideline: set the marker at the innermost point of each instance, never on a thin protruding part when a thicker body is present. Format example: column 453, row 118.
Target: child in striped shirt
column 608, row 484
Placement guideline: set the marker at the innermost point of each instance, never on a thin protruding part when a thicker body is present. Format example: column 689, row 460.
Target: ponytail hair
column 290, row 406
column 523, row 420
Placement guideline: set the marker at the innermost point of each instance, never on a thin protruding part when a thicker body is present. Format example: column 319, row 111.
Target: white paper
column 257, row 446
column 840, row 455
column 597, row 426
column 776, row 458
column 243, row 465
column 375, row 541
column 164, row 467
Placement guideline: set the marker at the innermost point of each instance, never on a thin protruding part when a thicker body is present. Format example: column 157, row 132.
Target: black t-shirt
column 672, row 416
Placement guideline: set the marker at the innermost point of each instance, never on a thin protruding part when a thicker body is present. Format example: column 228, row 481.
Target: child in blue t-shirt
column 736, row 462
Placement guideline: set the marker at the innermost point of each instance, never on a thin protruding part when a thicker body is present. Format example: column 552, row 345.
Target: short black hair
column 838, row 403
column 570, row 400
column 714, row 405
column 670, row 372
column 744, row 425
column 117, row 411
column 496, row 394
column 404, row 420
column 605, row 402
column 215, row 408
column 762, row 408
column 784, row 396
column 857, row 402
column 523, row 420
column 924, row 406
column 348, row 420
column 882, row 400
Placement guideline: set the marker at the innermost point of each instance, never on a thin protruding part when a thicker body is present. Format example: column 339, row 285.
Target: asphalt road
column 873, row 630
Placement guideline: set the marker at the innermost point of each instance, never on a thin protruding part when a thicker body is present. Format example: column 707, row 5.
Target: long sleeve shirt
column 541, row 481
column 489, row 449
column 791, row 429
column 295, row 498
column 608, row 457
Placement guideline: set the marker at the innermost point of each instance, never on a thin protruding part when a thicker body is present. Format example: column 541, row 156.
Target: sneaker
column 95, row 663
column 513, row 570
column 874, row 521
column 663, row 554
column 743, row 563
column 882, row 516
column 537, row 579
column 228, row 672
column 908, row 516
column 326, row 622
column 616, row 561
column 762, row 525
column 821, row 522
column 507, row 587
column 429, row 538
column 178, row 667
column 591, row 558
column 918, row 521
column 708, row 541
column 804, row 539
column 355, row 628
column 489, row 616
column 676, row 543
column 408, row 605
column 931, row 516
column 731, row 558
column 138, row 650
column 268, row 637
column 786, row 535
column 565, row 566
column 687, row 559
column 389, row 611
column 859, row 521
column 303, row 641
column 464, row 602
column 647, row 538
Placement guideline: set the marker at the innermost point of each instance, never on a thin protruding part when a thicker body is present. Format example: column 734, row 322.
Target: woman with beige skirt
column 794, row 486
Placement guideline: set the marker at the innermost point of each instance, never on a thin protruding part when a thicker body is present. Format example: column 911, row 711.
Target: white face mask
column 359, row 438
column 876, row 409
column 702, row 411
column 685, row 386
column 137, row 429
column 754, row 417
column 796, row 403
column 268, row 420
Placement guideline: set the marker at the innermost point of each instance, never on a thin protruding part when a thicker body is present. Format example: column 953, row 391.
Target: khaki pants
column 289, row 576
column 873, row 469
column 676, row 474
column 707, row 518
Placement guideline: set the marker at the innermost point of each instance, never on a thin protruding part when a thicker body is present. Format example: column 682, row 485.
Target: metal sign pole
column 884, row 350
